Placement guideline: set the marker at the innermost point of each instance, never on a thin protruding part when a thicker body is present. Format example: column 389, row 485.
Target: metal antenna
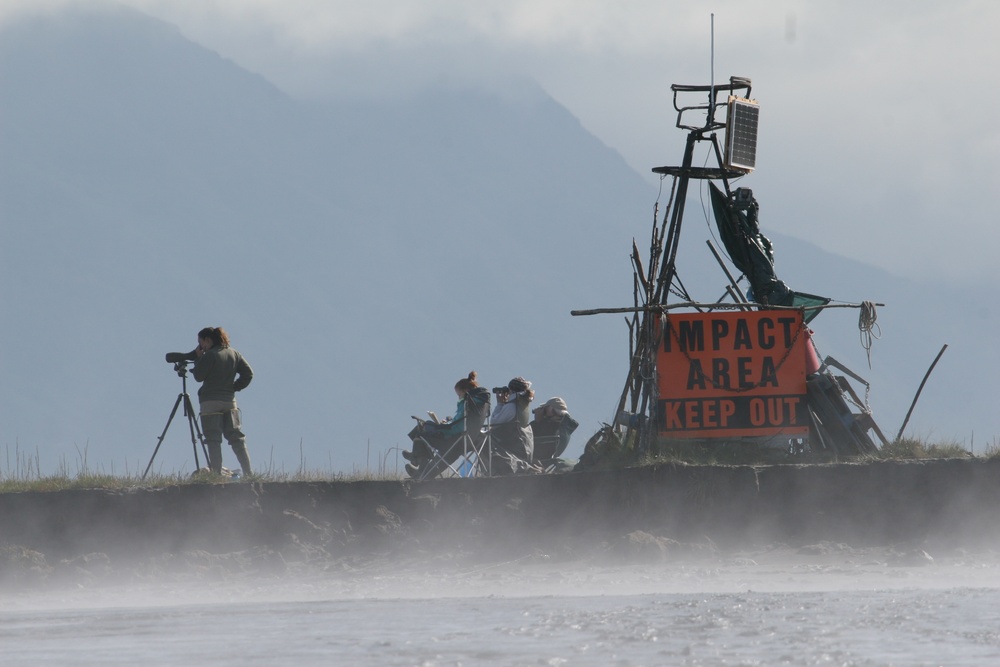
column 711, row 93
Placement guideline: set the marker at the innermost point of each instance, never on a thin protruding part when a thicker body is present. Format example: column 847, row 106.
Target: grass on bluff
column 915, row 448
column 731, row 454
column 22, row 471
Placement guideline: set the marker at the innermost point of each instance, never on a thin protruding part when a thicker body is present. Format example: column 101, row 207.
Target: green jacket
column 222, row 371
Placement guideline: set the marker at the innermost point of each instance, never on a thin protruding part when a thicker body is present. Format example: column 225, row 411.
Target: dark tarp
column 751, row 252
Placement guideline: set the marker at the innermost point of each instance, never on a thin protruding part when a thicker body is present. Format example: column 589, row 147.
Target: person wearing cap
column 553, row 409
column 551, row 428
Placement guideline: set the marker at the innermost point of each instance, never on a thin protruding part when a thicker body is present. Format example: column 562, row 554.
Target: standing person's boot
column 215, row 457
column 240, row 449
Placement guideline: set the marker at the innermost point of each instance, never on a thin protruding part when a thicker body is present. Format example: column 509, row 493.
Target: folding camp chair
column 551, row 439
column 468, row 454
column 512, row 448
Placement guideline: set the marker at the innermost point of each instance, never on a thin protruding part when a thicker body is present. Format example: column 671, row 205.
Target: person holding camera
column 511, row 436
column 222, row 372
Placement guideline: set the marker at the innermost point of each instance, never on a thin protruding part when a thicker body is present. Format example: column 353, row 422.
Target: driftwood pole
column 640, row 328
column 920, row 389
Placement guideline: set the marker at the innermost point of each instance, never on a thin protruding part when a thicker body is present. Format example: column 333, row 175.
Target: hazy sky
column 875, row 140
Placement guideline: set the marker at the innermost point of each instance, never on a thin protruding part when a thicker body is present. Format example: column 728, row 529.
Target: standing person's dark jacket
column 222, row 371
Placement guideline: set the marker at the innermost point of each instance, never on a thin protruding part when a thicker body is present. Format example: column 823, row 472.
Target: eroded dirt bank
column 649, row 511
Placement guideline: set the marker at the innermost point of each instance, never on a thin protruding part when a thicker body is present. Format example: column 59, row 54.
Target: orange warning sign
column 733, row 374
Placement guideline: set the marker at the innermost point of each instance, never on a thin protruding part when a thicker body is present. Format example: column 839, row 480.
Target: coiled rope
column 868, row 328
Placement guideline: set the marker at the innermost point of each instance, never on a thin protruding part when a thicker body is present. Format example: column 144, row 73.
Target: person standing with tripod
column 222, row 371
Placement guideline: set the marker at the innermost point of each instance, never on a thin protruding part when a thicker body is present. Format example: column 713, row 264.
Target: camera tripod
column 193, row 426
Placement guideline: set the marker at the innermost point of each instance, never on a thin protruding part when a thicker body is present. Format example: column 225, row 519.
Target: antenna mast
column 711, row 92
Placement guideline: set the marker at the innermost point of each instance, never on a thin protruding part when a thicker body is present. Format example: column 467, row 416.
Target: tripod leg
column 194, row 443
column 197, row 426
column 196, row 434
column 159, row 440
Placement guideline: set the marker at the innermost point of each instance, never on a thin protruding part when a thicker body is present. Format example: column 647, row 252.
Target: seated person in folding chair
column 552, row 428
column 511, row 440
column 441, row 437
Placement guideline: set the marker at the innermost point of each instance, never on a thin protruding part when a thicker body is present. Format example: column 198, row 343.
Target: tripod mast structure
column 737, row 158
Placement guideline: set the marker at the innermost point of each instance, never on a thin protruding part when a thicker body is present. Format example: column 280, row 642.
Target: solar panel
column 741, row 134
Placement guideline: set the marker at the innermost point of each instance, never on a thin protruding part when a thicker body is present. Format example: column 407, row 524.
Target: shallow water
column 845, row 608
column 898, row 627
